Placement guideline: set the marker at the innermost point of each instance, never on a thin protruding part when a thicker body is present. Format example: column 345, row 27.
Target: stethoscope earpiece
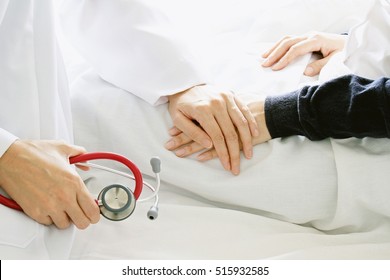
column 153, row 213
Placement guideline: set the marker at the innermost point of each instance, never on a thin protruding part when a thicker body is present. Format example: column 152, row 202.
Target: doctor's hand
column 289, row 48
column 191, row 147
column 212, row 119
column 38, row 176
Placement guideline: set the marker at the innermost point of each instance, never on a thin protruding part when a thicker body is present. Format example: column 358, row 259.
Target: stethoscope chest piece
column 116, row 202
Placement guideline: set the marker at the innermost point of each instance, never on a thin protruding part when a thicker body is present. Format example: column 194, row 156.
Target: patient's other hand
column 289, row 48
column 211, row 118
column 189, row 147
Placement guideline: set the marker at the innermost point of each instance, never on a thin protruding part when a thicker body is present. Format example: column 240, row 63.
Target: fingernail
column 207, row 143
column 170, row 144
column 265, row 63
column 280, row 65
column 236, row 170
column 203, row 157
column 226, row 165
column 277, row 66
column 249, row 154
column 172, row 131
column 309, row 71
column 180, row 152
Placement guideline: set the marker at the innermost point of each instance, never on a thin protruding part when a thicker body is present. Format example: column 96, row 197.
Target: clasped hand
column 218, row 124
column 207, row 118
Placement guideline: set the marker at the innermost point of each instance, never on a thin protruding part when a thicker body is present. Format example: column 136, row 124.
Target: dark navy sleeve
column 349, row 106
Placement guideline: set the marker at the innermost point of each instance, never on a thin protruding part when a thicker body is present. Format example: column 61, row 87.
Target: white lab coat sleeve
column 6, row 140
column 132, row 45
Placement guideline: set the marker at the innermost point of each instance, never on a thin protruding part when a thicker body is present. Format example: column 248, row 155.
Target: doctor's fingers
column 51, row 215
column 207, row 155
column 192, row 130
column 213, row 116
column 216, row 122
column 221, row 120
column 74, row 150
column 231, row 140
column 238, row 126
column 201, row 135
column 183, row 146
column 80, row 216
column 60, row 220
column 78, row 208
column 89, row 206
column 84, row 210
column 63, row 148
column 178, row 140
column 189, row 149
column 204, row 113
column 70, row 202
column 245, row 123
column 174, row 131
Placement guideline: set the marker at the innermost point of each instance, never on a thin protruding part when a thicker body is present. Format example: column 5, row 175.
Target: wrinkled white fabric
column 133, row 45
column 368, row 48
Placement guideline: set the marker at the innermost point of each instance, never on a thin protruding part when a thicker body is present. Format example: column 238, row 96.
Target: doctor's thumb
column 74, row 150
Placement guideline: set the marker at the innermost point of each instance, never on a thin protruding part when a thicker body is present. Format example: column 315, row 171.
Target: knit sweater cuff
column 281, row 115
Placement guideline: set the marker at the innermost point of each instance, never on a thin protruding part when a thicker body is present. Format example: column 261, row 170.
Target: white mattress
column 296, row 199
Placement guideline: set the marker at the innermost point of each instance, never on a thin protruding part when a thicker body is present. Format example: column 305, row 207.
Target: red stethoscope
column 116, row 202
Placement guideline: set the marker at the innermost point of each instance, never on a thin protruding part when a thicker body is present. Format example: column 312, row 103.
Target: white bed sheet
column 295, row 199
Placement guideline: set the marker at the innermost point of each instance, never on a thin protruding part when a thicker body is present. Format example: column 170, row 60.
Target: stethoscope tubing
column 116, row 157
column 154, row 190
column 10, row 203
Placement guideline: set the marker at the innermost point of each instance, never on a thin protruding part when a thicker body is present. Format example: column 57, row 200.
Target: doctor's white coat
column 138, row 55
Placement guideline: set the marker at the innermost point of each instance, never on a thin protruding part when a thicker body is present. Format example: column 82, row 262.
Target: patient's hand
column 189, row 147
column 289, row 48
column 206, row 117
